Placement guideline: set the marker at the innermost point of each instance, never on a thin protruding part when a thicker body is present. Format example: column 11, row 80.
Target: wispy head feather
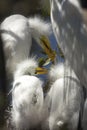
column 39, row 27
column 27, row 67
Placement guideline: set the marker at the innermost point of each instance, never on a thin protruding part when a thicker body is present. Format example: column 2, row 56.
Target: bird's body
column 64, row 99
column 27, row 97
column 27, row 102
column 71, row 34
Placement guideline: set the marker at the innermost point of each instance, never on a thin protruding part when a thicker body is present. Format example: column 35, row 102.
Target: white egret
column 64, row 99
column 71, row 33
column 17, row 32
column 27, row 96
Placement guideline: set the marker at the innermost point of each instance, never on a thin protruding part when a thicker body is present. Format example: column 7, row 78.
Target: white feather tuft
column 60, row 71
column 39, row 27
column 26, row 67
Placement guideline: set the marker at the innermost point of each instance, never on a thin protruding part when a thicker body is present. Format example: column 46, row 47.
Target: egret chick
column 27, row 96
column 63, row 99
column 17, row 32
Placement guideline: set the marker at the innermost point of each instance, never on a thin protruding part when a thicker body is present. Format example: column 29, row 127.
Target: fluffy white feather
column 39, row 27
column 26, row 67
column 58, row 71
column 27, row 102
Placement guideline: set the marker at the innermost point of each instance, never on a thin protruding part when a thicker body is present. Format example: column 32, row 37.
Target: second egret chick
column 64, row 99
column 27, row 96
column 17, row 32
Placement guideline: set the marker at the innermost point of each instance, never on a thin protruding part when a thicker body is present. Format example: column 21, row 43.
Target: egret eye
column 17, row 84
column 27, row 73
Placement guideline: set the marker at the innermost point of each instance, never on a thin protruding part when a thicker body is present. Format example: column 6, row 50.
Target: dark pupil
column 27, row 73
column 17, row 84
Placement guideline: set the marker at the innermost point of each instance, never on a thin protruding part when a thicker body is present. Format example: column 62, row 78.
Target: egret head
column 28, row 67
column 56, row 72
column 27, row 95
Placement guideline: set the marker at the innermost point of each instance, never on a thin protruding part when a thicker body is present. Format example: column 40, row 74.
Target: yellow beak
column 40, row 70
column 45, row 43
